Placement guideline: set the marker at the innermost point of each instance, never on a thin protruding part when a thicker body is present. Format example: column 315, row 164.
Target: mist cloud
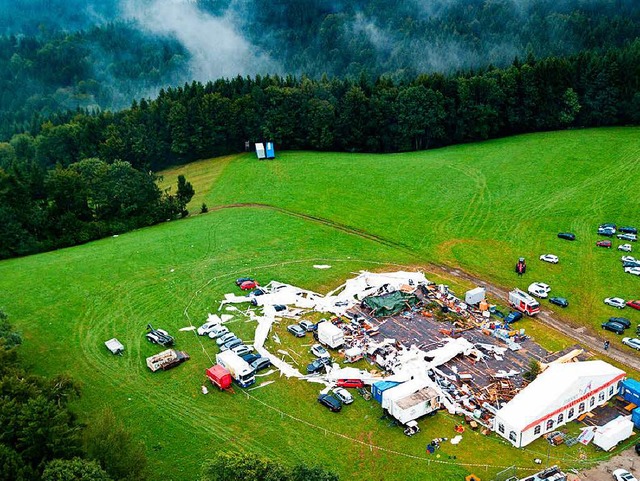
column 216, row 46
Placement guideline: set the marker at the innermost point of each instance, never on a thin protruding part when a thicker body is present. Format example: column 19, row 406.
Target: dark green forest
column 71, row 170
column 58, row 56
column 40, row 437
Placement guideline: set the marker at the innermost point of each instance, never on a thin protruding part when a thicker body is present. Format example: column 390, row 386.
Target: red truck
column 219, row 376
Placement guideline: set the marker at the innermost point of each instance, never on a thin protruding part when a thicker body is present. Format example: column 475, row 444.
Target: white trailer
column 410, row 400
column 523, row 302
column 330, row 335
column 475, row 296
column 239, row 369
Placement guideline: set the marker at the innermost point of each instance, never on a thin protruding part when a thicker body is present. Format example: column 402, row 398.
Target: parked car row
column 227, row 340
column 301, row 329
column 620, row 303
column 340, row 394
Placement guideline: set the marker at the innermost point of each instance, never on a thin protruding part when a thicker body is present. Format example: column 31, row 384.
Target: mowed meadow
column 477, row 207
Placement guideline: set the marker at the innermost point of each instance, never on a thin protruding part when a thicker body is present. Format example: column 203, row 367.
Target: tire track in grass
column 322, row 221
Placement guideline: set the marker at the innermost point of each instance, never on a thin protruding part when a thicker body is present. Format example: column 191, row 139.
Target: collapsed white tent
column 616, row 430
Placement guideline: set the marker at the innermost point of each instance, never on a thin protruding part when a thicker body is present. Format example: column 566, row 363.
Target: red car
column 353, row 383
column 634, row 304
column 248, row 285
column 604, row 243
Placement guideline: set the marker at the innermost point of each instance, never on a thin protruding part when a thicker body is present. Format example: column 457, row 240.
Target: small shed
column 114, row 346
column 475, row 296
column 377, row 388
column 630, row 391
column 635, row 417
column 271, row 152
column 352, row 354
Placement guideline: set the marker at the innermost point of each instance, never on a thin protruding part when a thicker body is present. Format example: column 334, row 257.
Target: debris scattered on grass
column 188, row 328
column 262, row 384
column 321, row 266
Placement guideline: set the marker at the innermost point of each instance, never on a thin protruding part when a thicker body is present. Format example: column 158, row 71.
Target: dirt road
column 580, row 333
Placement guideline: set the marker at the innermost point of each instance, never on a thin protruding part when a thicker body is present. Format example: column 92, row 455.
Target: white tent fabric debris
column 615, row 431
column 321, row 266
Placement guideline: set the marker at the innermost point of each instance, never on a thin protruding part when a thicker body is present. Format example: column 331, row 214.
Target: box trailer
column 219, row 376
column 410, row 400
column 243, row 374
column 166, row 360
column 475, row 296
column 523, row 302
column 420, row 403
column 330, row 335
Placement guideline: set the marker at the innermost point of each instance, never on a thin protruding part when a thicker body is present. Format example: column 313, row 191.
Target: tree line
column 90, row 174
column 41, row 439
column 364, row 115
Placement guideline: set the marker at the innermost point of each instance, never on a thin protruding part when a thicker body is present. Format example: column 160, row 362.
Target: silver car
column 632, row 342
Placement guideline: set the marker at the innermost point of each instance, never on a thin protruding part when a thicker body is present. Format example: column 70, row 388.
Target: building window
column 549, row 424
column 560, row 418
column 570, row 413
column 601, row 396
column 501, row 428
column 512, row 435
column 592, row 401
column 611, row 391
column 581, row 408
column 536, row 431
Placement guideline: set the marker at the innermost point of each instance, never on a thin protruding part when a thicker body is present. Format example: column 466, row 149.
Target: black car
column 330, row 402
column 613, row 327
column 513, row 317
column 606, row 232
column 261, row 363
column 559, row 301
column 159, row 336
column 567, row 236
column 628, row 230
column 317, row 365
column 621, row 320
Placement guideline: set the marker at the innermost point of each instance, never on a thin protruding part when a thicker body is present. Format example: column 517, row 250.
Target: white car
column 628, row 259
column 319, row 351
column 632, row 342
column 632, row 270
column 549, row 258
column 539, row 289
column 342, row 394
column 624, row 247
column 623, row 475
column 205, row 329
column 615, row 302
column 218, row 331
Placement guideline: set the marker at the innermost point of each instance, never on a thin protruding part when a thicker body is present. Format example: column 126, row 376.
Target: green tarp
column 390, row 304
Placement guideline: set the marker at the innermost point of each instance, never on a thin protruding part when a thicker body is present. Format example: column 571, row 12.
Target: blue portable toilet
column 630, row 391
column 635, row 417
column 271, row 153
column 377, row 388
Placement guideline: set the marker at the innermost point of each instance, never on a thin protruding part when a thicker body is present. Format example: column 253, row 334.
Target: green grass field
column 477, row 206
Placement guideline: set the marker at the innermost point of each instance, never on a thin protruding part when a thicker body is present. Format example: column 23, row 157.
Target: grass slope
column 477, row 206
